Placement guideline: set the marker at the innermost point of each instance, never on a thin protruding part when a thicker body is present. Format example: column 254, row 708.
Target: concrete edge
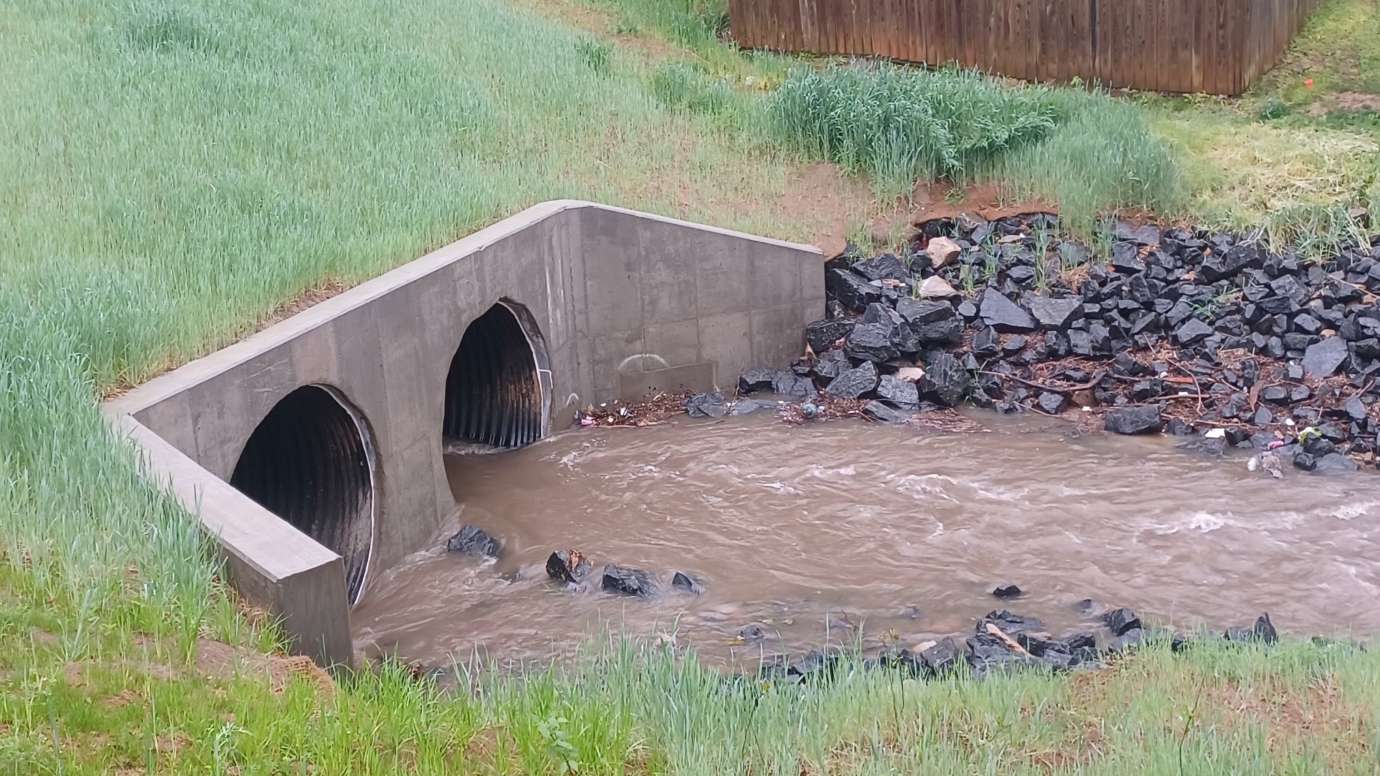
column 272, row 564
column 205, row 367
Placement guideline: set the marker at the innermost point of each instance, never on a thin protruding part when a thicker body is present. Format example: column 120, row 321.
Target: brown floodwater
column 845, row 531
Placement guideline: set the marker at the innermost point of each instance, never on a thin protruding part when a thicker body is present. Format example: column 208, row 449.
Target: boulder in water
column 473, row 540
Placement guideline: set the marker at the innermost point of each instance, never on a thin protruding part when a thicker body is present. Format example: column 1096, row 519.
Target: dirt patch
column 602, row 24
column 987, row 200
column 821, row 194
column 1293, row 719
column 218, row 660
column 1345, row 102
column 43, row 638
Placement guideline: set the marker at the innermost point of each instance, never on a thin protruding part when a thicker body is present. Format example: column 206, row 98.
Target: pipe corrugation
column 493, row 396
column 306, row 463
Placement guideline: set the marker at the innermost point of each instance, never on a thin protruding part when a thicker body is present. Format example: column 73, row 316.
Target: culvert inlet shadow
column 494, row 393
column 311, row 462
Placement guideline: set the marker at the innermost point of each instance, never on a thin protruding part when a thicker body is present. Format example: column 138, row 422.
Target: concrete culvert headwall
column 496, row 339
column 493, row 390
column 310, row 462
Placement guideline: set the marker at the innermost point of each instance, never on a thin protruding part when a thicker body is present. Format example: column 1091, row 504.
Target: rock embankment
column 1158, row 330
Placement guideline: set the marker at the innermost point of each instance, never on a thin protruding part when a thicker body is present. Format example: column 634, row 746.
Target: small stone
column 472, row 540
column 883, row 267
column 1136, row 419
column 936, row 287
column 941, row 251
column 1192, row 331
column 946, row 381
column 941, row 658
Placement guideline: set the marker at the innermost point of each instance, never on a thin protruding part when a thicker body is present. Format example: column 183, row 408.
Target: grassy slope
column 178, row 169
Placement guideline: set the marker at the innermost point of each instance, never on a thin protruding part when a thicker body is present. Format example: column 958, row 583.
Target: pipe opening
column 311, row 462
column 494, row 390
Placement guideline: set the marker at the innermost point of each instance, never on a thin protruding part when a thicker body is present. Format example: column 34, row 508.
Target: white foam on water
column 1353, row 511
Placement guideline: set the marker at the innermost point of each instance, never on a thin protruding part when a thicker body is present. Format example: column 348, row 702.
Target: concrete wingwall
column 624, row 302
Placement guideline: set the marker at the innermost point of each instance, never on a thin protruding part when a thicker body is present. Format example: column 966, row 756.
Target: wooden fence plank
column 1217, row 46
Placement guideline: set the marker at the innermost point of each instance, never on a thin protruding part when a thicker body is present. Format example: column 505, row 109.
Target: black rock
column 1148, row 235
column 823, row 334
column 1224, row 265
column 706, row 405
column 473, row 540
column 967, row 310
column 1305, row 461
column 1007, row 591
column 945, row 382
column 1126, row 259
column 1136, row 419
column 855, row 382
column 1119, row 621
column 871, row 342
column 683, row 581
column 832, row 364
column 756, row 379
column 851, row 290
column 1002, row 314
column 899, row 393
column 879, row 312
column 628, row 581
column 567, row 566
column 1325, row 357
column 1010, row 623
column 885, row 266
column 749, row 406
column 945, row 332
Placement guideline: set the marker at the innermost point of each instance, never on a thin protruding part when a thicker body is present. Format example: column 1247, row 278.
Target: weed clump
column 899, row 125
column 1087, row 151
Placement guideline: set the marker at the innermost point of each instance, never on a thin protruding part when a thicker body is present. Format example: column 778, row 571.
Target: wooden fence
column 1215, row 46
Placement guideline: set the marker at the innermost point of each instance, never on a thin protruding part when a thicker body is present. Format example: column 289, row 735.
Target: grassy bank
column 177, row 170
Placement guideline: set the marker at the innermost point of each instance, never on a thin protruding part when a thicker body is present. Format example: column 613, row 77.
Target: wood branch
column 1011, row 643
column 1096, row 378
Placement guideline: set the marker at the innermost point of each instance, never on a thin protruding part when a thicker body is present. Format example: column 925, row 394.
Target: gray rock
column 899, row 393
column 1192, row 330
column 1324, row 358
column 855, row 382
column 1004, row 315
column 1055, row 314
column 884, row 413
column 706, row 405
column 922, row 311
column 473, row 540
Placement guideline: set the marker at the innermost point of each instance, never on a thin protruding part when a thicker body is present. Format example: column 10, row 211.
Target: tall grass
column 1086, row 151
column 899, row 125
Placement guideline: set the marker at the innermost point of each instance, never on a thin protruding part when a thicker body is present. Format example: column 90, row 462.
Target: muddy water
column 844, row 530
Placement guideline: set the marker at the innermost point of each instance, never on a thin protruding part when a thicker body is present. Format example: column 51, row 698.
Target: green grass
column 1086, row 151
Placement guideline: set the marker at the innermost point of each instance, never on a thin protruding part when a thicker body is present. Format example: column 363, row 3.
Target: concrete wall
column 625, row 301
